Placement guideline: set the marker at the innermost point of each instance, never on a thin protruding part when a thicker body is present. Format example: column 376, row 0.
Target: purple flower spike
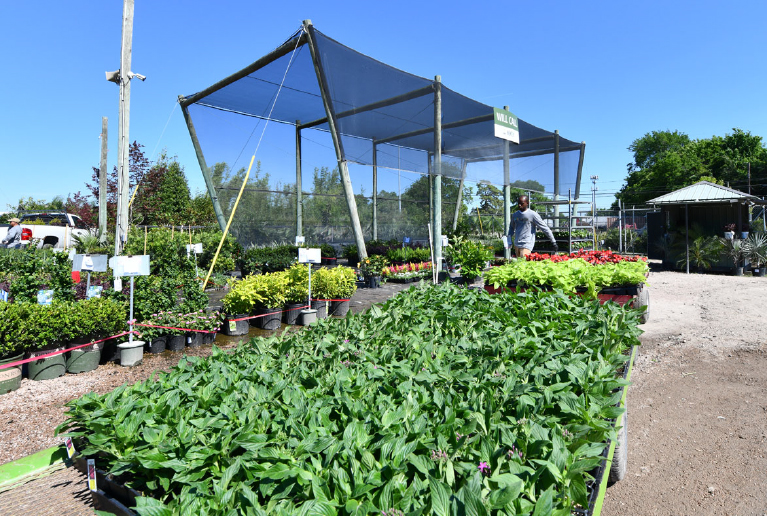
column 484, row 468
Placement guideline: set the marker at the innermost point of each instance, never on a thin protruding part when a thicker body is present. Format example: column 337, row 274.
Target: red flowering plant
column 592, row 257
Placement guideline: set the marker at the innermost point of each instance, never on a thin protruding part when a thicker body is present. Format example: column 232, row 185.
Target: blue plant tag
column 3, row 296
column 44, row 297
column 94, row 291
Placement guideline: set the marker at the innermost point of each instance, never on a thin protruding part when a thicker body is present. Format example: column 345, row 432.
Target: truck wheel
column 643, row 299
column 620, row 457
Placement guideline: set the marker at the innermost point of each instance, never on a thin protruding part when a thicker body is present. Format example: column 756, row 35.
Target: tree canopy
column 668, row 160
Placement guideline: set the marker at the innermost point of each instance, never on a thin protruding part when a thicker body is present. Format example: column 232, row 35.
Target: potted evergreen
column 13, row 318
column 297, row 293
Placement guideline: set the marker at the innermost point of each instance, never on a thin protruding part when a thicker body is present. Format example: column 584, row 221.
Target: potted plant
column 371, row 268
column 13, row 318
column 734, row 249
column 98, row 318
column 729, row 231
column 744, row 229
column 472, row 257
column 297, row 293
column 339, row 285
column 238, row 303
column 52, row 328
column 756, row 252
column 267, row 293
column 328, row 253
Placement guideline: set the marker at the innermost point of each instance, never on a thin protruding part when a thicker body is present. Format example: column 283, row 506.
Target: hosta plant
column 443, row 400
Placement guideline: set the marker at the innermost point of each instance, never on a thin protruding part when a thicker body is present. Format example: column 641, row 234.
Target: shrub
column 334, row 283
column 261, row 260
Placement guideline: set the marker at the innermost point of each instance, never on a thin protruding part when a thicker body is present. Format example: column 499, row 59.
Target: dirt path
column 698, row 404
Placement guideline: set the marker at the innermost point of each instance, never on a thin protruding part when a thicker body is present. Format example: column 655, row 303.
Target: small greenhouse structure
column 385, row 126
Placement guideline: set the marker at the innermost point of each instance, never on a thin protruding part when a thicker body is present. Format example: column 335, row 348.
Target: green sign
column 506, row 125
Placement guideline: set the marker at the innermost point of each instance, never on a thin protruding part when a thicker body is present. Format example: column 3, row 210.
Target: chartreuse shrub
column 568, row 275
column 444, row 400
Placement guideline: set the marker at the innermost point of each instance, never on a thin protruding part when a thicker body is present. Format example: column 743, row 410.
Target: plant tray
column 111, row 496
column 598, row 487
column 617, row 294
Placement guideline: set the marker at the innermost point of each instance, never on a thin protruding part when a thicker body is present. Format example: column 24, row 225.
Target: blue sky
column 601, row 72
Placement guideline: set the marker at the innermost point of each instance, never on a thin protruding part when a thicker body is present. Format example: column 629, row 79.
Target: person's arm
column 538, row 221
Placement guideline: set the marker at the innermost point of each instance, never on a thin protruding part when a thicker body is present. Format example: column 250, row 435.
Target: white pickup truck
column 50, row 229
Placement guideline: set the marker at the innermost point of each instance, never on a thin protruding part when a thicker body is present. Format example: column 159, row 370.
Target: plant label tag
column 70, row 447
column 3, row 295
column 300, row 240
column 94, row 291
column 118, row 284
column 505, row 240
column 189, row 340
column 444, row 241
column 232, row 326
column 309, row 255
column 92, row 475
column 406, row 240
column 44, row 297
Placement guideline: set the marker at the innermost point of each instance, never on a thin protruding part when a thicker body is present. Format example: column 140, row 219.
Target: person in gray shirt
column 521, row 232
column 13, row 238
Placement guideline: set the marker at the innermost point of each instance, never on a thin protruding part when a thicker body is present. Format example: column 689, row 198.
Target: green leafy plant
column 755, row 249
column 433, row 402
column 298, row 283
column 471, row 255
column 334, row 283
column 704, row 252
column 373, row 265
column 733, row 249
column 259, row 291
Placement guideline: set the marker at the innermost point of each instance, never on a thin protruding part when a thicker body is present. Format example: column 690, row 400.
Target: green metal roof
column 705, row 192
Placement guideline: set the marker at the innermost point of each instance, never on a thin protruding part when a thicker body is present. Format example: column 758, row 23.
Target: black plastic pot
column 291, row 313
column 339, row 308
column 194, row 339
column 208, row 338
column 157, row 345
column 321, row 306
column 176, row 342
column 232, row 327
column 271, row 318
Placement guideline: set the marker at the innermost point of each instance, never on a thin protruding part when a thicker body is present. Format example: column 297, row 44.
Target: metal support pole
column 103, row 184
column 430, row 170
column 686, row 234
column 458, row 201
column 620, row 227
column 337, row 143
column 204, row 168
column 506, row 194
column 375, row 191
column 299, row 187
column 580, row 170
column 436, row 222
column 569, row 221
column 123, row 125
column 556, row 178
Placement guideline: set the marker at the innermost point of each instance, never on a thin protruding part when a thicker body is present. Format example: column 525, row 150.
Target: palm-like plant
column 734, row 249
column 704, row 251
column 755, row 249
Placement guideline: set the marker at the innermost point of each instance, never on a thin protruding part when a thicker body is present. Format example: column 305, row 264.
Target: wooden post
column 103, row 183
column 506, row 193
column 436, row 223
column 351, row 202
column 123, row 140
column 203, row 167
column 299, row 186
column 375, row 191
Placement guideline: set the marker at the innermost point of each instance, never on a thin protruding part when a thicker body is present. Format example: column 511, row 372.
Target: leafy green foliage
column 471, row 255
column 334, row 283
column 29, row 270
column 443, row 400
column 267, row 259
column 568, row 275
column 29, row 326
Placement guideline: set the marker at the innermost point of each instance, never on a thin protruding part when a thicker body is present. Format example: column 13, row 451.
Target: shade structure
column 379, row 117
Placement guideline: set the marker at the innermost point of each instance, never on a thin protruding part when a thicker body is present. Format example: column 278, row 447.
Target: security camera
column 137, row 76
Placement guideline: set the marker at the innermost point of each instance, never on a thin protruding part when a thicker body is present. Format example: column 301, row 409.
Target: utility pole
column 122, row 77
column 103, row 183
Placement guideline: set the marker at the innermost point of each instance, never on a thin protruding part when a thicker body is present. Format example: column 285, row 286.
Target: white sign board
column 130, row 265
column 89, row 262
column 309, row 255
column 506, row 125
column 193, row 248
column 505, row 240
column 300, row 240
